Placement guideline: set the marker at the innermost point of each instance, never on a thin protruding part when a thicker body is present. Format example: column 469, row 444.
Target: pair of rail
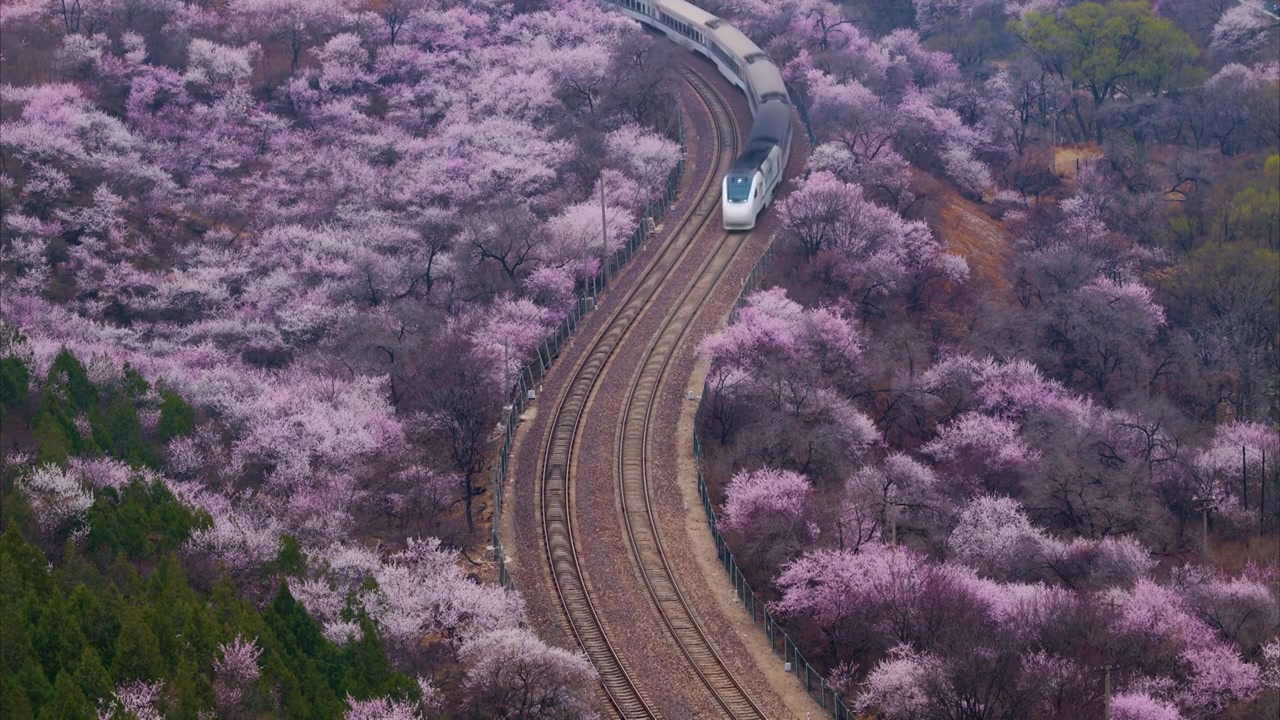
column 521, row 393
column 531, row 373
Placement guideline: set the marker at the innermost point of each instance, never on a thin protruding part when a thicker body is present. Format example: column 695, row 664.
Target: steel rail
column 557, row 481
column 635, row 488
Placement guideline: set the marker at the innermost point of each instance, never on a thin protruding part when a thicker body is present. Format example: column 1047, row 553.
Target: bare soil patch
column 967, row 229
column 1068, row 159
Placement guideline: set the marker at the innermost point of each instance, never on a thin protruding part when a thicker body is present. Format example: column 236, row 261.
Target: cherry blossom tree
column 1139, row 706
column 510, row 672
column 1085, row 564
column 994, row 536
column 397, row 13
column 771, row 508
column 871, row 249
column 899, row 493
column 1245, row 28
column 1233, row 464
column 783, row 357
column 1157, row 624
column 410, row 595
column 816, row 216
column 901, row 686
column 979, row 451
column 1241, row 609
column 219, row 66
column 1271, row 665
column 841, row 592
column 551, row 288
column 134, row 699
column 380, row 709
column 297, row 22
column 646, row 158
column 855, row 129
column 57, row 496
column 234, row 671
column 1249, row 121
column 1218, row 678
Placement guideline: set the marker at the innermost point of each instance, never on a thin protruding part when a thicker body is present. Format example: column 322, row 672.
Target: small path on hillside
column 967, row 229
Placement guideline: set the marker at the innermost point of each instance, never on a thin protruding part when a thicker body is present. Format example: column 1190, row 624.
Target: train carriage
column 754, row 178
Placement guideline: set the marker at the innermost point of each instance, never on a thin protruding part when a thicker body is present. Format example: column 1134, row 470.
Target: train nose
column 738, row 216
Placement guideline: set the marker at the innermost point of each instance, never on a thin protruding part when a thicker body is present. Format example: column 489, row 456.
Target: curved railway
column 635, row 488
column 559, row 451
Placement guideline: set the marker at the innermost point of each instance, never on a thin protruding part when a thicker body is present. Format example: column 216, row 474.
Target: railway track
column 636, row 491
column 558, row 454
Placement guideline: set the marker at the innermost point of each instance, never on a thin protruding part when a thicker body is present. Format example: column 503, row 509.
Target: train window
column 738, row 188
column 725, row 58
column 681, row 27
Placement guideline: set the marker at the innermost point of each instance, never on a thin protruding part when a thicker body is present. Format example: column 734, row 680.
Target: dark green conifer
column 68, row 702
column 92, row 676
column 137, row 651
column 177, row 418
column 15, row 384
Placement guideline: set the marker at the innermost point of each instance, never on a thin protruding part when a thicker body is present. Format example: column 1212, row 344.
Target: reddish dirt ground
column 966, row 228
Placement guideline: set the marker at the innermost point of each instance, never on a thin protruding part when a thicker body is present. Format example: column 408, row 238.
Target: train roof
column 688, row 12
column 751, row 158
column 769, row 128
column 764, row 78
column 733, row 41
column 772, row 122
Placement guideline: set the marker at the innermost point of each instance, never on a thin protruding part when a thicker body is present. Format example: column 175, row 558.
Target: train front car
column 754, row 177
column 740, row 200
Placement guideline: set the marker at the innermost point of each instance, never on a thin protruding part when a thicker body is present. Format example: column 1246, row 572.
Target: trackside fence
column 524, row 386
column 802, row 109
column 814, row 682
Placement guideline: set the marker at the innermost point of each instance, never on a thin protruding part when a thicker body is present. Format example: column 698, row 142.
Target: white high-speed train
column 755, row 176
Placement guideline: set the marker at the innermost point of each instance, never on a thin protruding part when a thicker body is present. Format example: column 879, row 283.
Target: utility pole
column 1244, row 478
column 604, row 231
column 1053, row 145
column 1110, row 603
column 585, row 269
column 1106, row 690
column 506, row 366
column 1204, row 504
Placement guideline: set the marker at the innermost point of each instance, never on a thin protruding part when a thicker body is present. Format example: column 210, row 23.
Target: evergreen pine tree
column 92, row 676
column 133, row 385
column 365, row 663
column 15, row 384
column 100, row 615
column 137, row 651
column 80, row 390
column 290, row 560
column 177, row 418
column 68, row 702
column 56, row 638
column 14, row 700
column 23, row 685
column 52, row 443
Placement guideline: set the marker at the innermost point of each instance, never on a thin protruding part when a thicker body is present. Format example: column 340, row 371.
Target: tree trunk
column 469, row 490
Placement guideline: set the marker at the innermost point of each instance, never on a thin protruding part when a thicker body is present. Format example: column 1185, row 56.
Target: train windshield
column 738, row 188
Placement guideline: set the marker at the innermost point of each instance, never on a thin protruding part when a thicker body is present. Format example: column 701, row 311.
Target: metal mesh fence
column 814, row 682
column 803, row 110
column 524, row 386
